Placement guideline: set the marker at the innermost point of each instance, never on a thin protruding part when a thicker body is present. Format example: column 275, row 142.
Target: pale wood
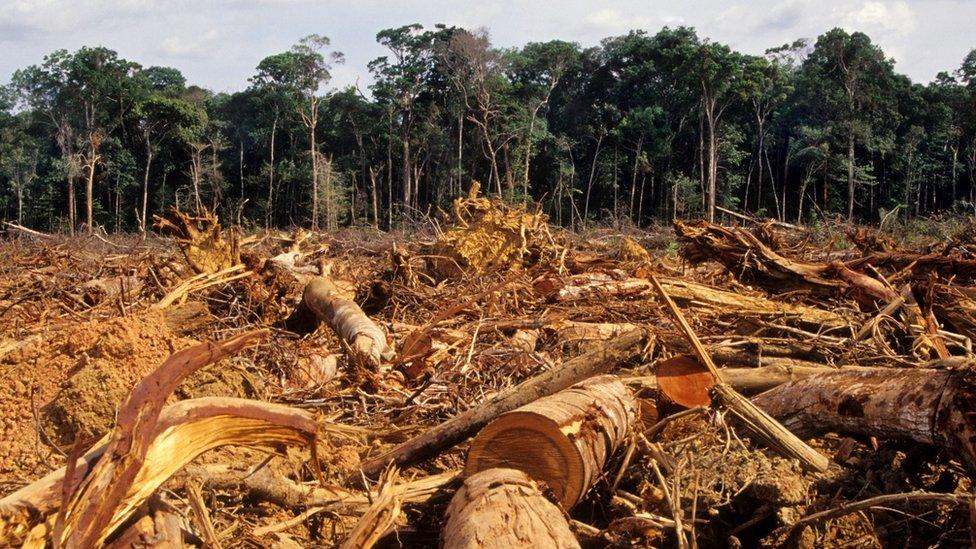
column 501, row 509
column 366, row 340
column 563, row 440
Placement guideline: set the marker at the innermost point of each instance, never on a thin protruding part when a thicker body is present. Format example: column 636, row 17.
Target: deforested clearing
column 328, row 388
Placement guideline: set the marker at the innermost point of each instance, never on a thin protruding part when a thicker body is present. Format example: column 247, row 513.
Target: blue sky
column 217, row 43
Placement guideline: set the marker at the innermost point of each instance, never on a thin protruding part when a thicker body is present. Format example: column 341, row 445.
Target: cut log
column 563, row 440
column 918, row 405
column 462, row 426
column 503, row 508
column 366, row 340
column 684, row 381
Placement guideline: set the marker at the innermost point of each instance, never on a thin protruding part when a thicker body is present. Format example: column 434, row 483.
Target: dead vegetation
column 502, row 384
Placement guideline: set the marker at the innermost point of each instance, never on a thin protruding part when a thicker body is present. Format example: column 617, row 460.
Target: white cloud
column 875, row 15
column 613, row 21
column 190, row 45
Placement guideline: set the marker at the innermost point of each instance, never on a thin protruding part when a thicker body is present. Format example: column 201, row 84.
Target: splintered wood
column 502, row 384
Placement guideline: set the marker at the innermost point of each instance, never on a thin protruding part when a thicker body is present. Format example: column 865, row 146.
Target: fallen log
column 918, row 405
column 700, row 298
column 366, row 340
column 749, row 381
column 462, row 426
column 99, row 290
column 562, row 440
column 502, row 508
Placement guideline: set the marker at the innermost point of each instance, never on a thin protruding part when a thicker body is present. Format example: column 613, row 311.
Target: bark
column 917, row 405
column 589, row 182
column 850, row 177
column 462, row 426
column 502, row 508
column 145, row 187
column 700, row 298
column 563, row 440
column 268, row 214
column 366, row 340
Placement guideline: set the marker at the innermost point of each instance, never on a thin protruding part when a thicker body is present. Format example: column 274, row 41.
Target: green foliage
column 640, row 127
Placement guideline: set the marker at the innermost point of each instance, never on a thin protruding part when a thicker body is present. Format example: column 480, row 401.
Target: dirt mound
column 73, row 380
column 488, row 234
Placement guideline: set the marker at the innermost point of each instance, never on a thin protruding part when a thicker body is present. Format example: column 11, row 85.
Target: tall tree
column 302, row 71
column 848, row 80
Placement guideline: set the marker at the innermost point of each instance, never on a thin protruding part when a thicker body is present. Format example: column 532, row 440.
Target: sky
column 217, row 43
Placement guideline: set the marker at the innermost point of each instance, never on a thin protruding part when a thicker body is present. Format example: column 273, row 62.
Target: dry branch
column 563, row 440
column 502, row 508
column 758, row 422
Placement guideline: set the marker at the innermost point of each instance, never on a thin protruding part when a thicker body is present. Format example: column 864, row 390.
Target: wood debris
column 502, row 383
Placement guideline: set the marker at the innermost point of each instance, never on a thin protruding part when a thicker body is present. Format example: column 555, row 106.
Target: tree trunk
column 563, row 440
column 374, row 196
column 589, row 183
column 347, row 319
column 633, row 176
column 312, row 122
column 145, row 188
column 850, row 177
column 90, row 186
column 622, row 348
column 502, row 508
column 712, row 164
column 269, row 213
column 916, row 405
column 407, row 191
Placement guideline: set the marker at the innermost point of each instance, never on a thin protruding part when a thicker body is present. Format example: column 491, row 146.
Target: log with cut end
column 365, row 338
column 503, row 508
column 563, row 440
column 622, row 348
column 919, row 405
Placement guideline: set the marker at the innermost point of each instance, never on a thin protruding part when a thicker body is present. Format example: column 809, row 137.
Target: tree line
column 642, row 128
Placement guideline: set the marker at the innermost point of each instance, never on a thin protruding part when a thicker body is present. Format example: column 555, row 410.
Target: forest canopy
column 642, row 128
